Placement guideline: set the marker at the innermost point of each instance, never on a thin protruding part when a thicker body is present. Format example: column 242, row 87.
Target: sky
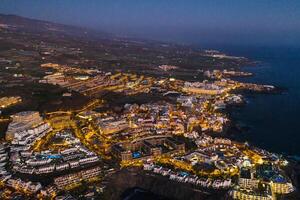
column 197, row 22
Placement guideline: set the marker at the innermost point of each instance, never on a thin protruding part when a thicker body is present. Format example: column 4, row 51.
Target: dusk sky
column 211, row 22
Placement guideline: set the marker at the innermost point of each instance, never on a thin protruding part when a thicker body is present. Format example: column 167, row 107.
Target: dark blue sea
column 273, row 120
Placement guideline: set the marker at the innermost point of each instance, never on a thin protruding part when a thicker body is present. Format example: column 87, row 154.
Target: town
column 180, row 136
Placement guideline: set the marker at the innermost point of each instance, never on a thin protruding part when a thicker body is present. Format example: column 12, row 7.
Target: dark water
column 137, row 193
column 273, row 119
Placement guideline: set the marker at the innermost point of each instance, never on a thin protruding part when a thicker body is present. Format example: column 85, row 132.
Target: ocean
column 273, row 120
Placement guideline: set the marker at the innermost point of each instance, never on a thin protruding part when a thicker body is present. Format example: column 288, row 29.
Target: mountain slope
column 18, row 23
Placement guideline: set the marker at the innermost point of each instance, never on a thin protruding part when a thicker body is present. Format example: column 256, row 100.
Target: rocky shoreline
column 161, row 186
